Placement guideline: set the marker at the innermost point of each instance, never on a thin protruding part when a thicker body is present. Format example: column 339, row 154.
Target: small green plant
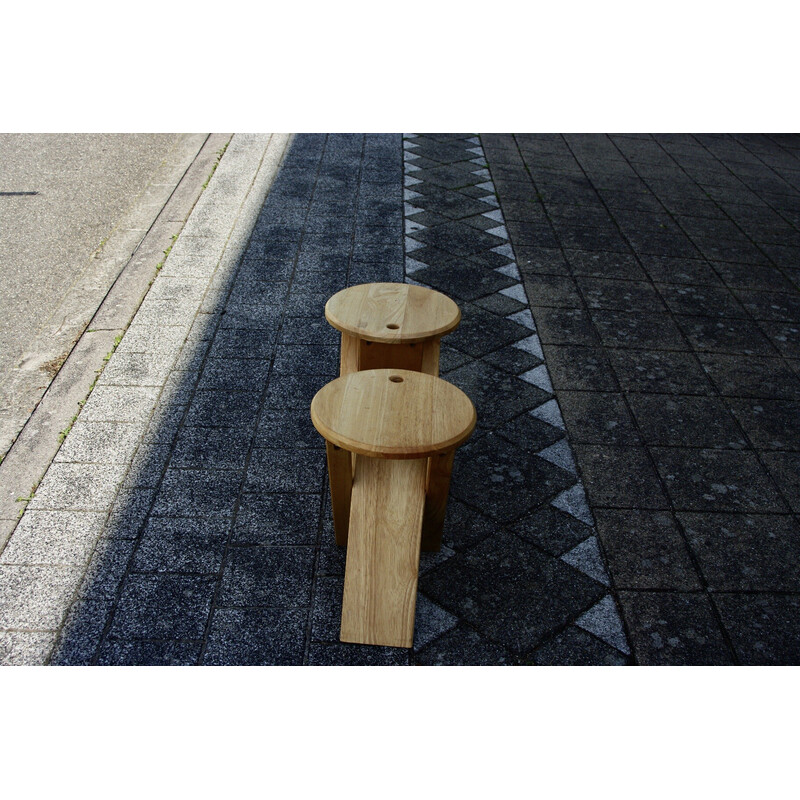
column 220, row 153
column 27, row 499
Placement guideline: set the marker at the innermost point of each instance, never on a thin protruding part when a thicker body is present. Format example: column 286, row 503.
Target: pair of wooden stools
column 391, row 428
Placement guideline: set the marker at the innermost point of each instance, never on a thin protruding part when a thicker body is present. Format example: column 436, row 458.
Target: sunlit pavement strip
column 70, row 520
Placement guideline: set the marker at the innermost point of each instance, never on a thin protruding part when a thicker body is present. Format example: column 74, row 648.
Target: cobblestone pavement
column 664, row 276
column 657, row 365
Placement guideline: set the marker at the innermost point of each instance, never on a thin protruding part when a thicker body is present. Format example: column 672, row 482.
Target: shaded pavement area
column 664, row 276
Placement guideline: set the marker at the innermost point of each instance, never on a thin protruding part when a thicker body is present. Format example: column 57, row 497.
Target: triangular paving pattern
column 457, row 243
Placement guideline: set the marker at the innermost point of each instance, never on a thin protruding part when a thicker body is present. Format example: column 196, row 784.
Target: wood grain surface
column 394, row 414
column 380, row 583
column 392, row 312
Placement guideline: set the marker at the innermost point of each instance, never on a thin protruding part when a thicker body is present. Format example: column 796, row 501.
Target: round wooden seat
column 393, row 413
column 392, row 313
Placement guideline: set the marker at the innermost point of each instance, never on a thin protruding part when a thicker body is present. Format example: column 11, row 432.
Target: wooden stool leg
column 380, row 581
column 340, row 476
column 348, row 354
column 430, row 357
column 439, row 470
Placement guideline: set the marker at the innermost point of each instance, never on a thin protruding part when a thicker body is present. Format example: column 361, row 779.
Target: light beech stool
column 391, row 325
column 403, row 427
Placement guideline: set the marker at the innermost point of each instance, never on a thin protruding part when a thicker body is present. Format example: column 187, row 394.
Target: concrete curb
column 122, row 272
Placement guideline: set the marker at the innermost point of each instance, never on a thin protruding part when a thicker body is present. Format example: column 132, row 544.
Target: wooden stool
column 397, row 422
column 391, row 325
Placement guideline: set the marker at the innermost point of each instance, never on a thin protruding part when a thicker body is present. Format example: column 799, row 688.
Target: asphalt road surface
column 60, row 197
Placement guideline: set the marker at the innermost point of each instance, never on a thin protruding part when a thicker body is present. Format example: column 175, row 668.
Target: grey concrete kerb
column 96, row 310
column 47, row 556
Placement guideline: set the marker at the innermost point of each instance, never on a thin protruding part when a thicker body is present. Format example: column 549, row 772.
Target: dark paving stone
column 163, row 607
column 107, row 569
column 579, row 368
column 552, row 530
column 326, row 608
column 769, row 424
column 252, row 295
column 597, row 418
column 456, row 238
column 509, row 592
column 716, row 480
column 498, row 396
column 530, row 432
column 451, row 176
column 565, row 326
column 510, row 479
column 120, row 653
column 680, row 271
column 464, row 527
column 764, row 628
column 785, row 336
column 605, row 265
column 709, row 301
column 575, row 648
column 256, row 637
column 620, row 295
column 197, row 492
column 673, row 629
column 619, row 477
column 301, row 302
column 500, row 304
column 277, row 519
column 325, row 654
column 645, row 550
column 267, row 576
column 82, row 632
column 784, row 468
column 224, row 408
column 743, row 252
column 285, row 470
column 544, row 261
column 685, row 421
column 182, row 545
column 659, row 371
column 450, row 359
column 513, row 360
column 463, row 281
column 429, row 218
column 295, row 390
column 233, row 374
column 745, row 552
column 753, row 376
column 434, row 257
column 308, row 330
column 634, row 330
column 771, row 306
column 556, row 291
column 593, row 239
column 288, row 427
column 453, row 205
column 233, row 343
column 488, row 259
column 211, row 448
column 311, row 359
column 463, row 647
column 725, row 336
column 751, row 276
